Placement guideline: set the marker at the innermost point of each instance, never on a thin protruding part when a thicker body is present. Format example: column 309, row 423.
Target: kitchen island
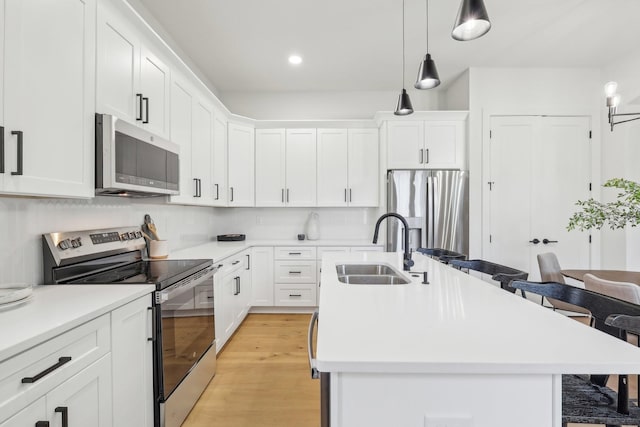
column 458, row 352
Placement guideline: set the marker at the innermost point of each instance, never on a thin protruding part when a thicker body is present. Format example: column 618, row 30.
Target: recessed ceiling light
column 295, row 60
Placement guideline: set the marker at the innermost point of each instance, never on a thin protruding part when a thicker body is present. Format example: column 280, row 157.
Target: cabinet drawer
column 295, row 295
column 46, row 364
column 295, row 253
column 367, row 249
column 204, row 296
column 295, row 272
column 332, row 250
column 234, row 263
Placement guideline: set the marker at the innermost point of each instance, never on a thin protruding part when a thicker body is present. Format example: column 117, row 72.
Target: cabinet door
column 444, row 143
column 244, row 297
column 29, row 416
column 219, row 160
column 86, row 397
column 301, row 167
column 405, row 145
column 262, row 276
column 118, row 66
column 364, row 173
column 226, row 312
column 270, row 167
column 241, row 165
column 49, row 78
column 132, row 363
column 201, row 152
column 155, row 87
column 181, row 134
column 332, row 167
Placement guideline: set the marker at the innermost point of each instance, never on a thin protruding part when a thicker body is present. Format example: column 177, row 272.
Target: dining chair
column 622, row 290
column 550, row 272
column 499, row 273
column 442, row 255
column 587, row 399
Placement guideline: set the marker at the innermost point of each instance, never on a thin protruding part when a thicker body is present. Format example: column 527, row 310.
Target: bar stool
column 442, row 255
column 499, row 273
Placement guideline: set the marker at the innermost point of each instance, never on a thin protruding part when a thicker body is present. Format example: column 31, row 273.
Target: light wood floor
column 263, row 378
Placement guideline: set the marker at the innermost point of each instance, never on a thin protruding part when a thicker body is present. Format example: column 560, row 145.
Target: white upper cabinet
column 301, row 167
column 201, row 151
column 429, row 144
column 348, row 167
column 219, row 159
column 286, row 167
column 48, row 78
column 270, row 167
column 132, row 83
column 182, row 134
column 241, row 165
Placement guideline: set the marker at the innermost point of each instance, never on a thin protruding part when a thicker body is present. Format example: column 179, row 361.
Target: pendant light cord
column 402, row 44
column 426, row 15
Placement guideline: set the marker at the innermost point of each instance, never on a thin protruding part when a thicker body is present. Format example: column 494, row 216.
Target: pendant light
column 472, row 21
column 428, row 77
column 404, row 107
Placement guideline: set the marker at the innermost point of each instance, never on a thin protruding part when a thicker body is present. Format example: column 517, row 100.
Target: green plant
column 625, row 210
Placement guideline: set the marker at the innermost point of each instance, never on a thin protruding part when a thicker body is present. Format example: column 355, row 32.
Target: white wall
column 322, row 105
column 24, row 220
column 287, row 223
column 456, row 96
column 524, row 91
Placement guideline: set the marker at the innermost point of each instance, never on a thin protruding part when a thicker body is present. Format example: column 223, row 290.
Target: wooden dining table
column 613, row 275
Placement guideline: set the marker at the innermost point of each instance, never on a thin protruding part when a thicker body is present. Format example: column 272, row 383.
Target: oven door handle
column 180, row 287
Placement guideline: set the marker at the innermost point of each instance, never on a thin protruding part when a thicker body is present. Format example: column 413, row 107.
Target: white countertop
column 220, row 250
column 54, row 309
column 456, row 324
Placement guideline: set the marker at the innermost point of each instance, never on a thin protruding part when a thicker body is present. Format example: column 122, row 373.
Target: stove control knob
column 124, row 236
column 75, row 243
column 132, row 235
column 64, row 245
column 138, row 234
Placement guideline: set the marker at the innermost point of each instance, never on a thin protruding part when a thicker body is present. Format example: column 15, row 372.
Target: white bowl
column 12, row 292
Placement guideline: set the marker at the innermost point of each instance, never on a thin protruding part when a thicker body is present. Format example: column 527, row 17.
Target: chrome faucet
column 408, row 262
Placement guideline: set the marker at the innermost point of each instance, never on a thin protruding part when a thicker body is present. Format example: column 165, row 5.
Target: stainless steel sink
column 372, row 279
column 376, row 269
column 369, row 274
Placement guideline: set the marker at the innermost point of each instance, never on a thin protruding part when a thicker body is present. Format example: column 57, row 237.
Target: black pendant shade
column 428, row 77
column 472, row 21
column 404, row 106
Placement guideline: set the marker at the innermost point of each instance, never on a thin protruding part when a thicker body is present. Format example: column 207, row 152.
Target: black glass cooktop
column 161, row 273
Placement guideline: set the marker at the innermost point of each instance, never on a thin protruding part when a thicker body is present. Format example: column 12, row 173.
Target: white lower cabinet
column 33, row 415
column 262, row 276
column 232, row 289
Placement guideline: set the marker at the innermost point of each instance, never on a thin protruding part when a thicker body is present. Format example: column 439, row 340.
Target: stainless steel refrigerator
column 436, row 206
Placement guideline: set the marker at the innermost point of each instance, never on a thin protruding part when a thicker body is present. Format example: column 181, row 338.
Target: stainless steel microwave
column 133, row 162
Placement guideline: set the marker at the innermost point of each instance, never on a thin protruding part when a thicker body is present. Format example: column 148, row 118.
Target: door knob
column 534, row 241
column 545, row 241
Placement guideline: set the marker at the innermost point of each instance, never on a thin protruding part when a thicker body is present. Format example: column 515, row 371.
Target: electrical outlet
column 448, row 421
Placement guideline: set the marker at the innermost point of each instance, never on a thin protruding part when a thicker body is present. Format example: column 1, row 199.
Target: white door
column 181, row 134
column 155, row 87
column 201, row 153
column 332, row 167
column 29, row 416
column 241, row 165
column 118, row 68
column 219, row 160
column 85, row 397
column 270, row 167
column 363, row 167
column 533, row 190
column 405, row 144
column 443, row 144
column 262, row 276
column 49, row 78
column 301, row 167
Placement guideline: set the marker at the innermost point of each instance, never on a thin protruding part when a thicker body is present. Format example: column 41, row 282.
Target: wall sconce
column 613, row 100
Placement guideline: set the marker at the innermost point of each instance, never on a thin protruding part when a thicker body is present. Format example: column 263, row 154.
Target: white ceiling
column 356, row 45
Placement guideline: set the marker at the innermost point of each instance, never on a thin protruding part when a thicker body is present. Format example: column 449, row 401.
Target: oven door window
column 187, row 332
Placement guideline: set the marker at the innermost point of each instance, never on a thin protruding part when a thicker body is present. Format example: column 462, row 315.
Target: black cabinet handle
column 295, row 295
column 350, row 195
column 248, row 262
column 231, row 194
column 295, row 272
column 295, row 253
column 235, row 262
column 20, row 152
column 42, row 424
column 217, row 191
column 287, row 195
column 195, row 181
column 345, row 195
column 61, row 361
column 534, row 241
column 546, row 241
column 199, row 187
column 427, row 155
column 237, row 290
column 239, row 285
column 65, row 415
column 139, row 116
column 1, row 149
column 146, row 103
column 153, row 329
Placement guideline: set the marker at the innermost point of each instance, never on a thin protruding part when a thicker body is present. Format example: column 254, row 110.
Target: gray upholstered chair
column 621, row 290
column 550, row 272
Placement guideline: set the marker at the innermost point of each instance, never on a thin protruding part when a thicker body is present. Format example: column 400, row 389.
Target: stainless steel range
column 184, row 319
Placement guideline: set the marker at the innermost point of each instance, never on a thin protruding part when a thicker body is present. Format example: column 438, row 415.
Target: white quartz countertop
column 456, row 324
column 220, row 250
column 54, row 309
